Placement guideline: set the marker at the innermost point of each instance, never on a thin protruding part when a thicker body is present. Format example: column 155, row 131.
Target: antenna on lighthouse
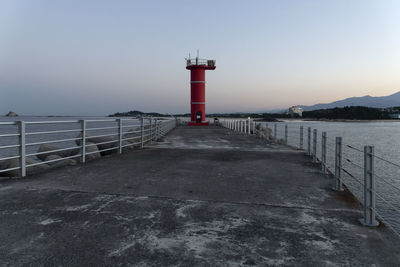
column 197, row 53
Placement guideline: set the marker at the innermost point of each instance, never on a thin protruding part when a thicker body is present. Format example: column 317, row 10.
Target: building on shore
column 295, row 111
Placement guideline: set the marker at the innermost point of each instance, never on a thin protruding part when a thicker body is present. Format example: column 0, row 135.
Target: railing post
column 286, row 134
column 275, row 130
column 301, row 137
column 309, row 141
column 22, row 148
column 323, row 152
column 254, row 127
column 142, row 132
column 314, row 146
column 249, row 130
column 120, row 136
column 338, row 164
column 151, row 130
column 369, row 188
column 266, row 131
column 83, row 141
column 155, row 130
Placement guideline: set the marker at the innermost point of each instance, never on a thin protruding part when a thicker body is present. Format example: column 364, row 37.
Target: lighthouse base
column 192, row 123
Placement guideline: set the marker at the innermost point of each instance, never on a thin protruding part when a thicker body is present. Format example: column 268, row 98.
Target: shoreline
column 340, row 120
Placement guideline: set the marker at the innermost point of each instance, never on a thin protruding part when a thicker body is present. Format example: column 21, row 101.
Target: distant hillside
column 348, row 113
column 366, row 101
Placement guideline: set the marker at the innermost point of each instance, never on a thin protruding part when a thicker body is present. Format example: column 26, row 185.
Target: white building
column 295, row 111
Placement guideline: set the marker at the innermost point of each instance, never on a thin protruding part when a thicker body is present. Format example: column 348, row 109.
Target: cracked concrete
column 204, row 196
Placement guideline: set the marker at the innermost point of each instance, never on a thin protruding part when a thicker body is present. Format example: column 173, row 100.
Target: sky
column 74, row 57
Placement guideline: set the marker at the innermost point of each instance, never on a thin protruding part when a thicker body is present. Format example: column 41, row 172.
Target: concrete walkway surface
column 203, row 196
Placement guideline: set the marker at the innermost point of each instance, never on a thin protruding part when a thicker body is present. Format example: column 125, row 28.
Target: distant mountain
column 366, row 101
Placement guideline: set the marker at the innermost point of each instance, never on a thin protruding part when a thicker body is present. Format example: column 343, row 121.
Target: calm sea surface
column 384, row 136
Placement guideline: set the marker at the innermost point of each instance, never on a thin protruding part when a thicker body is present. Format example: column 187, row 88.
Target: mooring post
column 338, row 165
column 314, row 146
column 309, row 141
column 301, row 137
column 22, row 148
column 369, row 188
column 286, row 134
column 119, row 135
column 83, row 141
column 275, row 130
column 323, row 153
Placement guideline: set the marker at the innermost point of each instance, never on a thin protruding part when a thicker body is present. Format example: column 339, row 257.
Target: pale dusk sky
column 99, row 57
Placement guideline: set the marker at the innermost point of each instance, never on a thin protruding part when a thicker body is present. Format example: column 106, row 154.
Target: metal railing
column 199, row 61
column 26, row 144
column 349, row 166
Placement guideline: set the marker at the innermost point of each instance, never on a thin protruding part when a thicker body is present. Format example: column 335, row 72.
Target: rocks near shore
column 50, row 149
column 11, row 114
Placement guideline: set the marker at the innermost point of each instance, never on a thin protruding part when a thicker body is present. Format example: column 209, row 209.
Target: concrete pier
column 203, row 196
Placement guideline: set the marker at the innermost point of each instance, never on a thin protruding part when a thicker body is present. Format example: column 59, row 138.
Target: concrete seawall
column 204, row 196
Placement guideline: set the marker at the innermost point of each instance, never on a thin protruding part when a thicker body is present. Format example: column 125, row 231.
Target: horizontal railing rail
column 29, row 144
column 350, row 166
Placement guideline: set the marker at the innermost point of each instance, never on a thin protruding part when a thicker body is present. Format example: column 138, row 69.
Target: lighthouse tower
column 198, row 69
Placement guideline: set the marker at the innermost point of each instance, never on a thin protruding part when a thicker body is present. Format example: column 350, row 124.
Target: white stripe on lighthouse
column 198, row 81
column 198, row 102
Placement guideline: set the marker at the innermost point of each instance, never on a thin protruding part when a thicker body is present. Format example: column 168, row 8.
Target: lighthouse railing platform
column 201, row 62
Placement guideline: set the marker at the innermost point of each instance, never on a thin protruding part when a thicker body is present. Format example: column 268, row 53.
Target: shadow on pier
column 203, row 196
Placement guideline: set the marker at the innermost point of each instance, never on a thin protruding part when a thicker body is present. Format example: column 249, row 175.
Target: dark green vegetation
column 134, row 113
column 345, row 113
column 348, row 113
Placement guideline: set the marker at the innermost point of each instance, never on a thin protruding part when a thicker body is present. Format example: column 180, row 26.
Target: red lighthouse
column 198, row 69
